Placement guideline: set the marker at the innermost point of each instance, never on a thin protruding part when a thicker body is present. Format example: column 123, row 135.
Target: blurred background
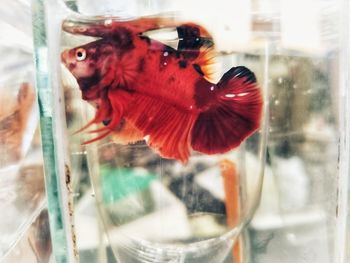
column 300, row 218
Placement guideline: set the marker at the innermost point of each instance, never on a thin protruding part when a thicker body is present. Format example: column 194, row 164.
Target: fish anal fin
column 128, row 133
column 167, row 126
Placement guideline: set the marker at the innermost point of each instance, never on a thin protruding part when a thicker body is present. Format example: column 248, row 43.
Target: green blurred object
column 118, row 183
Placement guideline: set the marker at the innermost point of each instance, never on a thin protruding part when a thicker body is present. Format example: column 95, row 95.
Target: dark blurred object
column 189, row 193
column 40, row 239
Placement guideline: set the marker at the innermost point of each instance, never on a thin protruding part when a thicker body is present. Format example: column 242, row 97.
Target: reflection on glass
column 21, row 174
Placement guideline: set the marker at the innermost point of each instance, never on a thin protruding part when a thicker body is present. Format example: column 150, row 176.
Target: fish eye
column 80, row 54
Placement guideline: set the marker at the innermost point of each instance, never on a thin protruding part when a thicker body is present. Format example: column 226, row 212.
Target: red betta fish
column 143, row 88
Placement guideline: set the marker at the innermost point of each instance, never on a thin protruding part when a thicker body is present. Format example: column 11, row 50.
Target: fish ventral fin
column 234, row 113
column 167, row 126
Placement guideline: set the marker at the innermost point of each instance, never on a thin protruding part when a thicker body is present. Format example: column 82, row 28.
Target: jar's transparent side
column 303, row 152
column 297, row 220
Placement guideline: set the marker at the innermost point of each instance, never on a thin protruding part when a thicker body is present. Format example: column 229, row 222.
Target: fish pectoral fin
column 119, row 100
column 168, row 127
column 235, row 115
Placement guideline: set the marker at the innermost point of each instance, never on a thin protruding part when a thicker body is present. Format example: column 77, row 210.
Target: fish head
column 89, row 63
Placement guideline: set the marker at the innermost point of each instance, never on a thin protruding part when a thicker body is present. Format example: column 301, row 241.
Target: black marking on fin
column 182, row 63
column 198, row 69
column 239, row 72
column 106, row 122
column 191, row 40
column 145, row 38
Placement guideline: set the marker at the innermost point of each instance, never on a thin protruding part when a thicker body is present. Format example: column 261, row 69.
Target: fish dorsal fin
column 191, row 41
column 206, row 63
column 195, row 41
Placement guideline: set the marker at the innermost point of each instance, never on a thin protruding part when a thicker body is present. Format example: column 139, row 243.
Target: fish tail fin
column 234, row 114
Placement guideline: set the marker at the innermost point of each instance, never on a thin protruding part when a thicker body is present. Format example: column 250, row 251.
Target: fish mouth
column 68, row 63
column 64, row 56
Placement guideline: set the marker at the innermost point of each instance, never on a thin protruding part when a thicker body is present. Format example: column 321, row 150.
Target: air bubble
column 108, row 22
column 82, row 29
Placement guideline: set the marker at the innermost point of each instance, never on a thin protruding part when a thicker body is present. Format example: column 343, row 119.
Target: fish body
column 144, row 88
